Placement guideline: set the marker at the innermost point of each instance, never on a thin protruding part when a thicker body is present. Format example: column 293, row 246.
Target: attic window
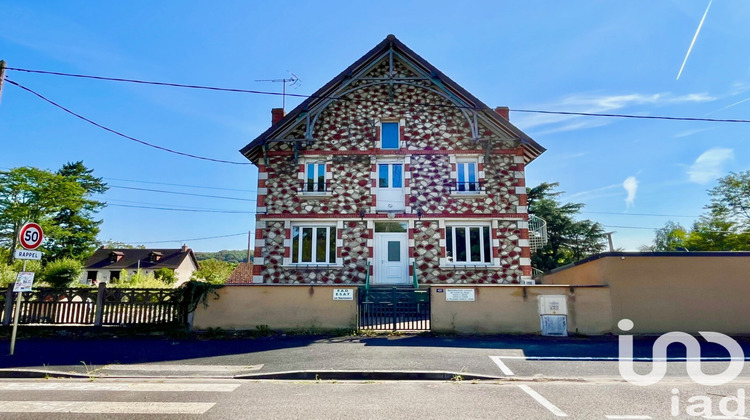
column 115, row 256
column 389, row 135
column 154, row 256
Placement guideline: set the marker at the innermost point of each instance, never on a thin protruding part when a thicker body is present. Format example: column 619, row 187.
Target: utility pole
column 2, row 76
column 249, row 241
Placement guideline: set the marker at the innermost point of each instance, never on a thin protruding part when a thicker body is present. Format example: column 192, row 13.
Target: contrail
column 729, row 106
column 697, row 31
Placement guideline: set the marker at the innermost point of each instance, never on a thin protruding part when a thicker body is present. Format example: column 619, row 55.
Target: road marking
column 135, row 387
column 104, row 407
column 635, row 359
column 724, row 417
column 499, row 362
column 628, row 417
column 184, row 368
column 543, row 401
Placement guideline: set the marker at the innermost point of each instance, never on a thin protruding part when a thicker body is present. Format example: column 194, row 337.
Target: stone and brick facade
column 392, row 156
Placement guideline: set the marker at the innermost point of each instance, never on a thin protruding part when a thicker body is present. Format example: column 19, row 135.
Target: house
column 107, row 263
column 392, row 174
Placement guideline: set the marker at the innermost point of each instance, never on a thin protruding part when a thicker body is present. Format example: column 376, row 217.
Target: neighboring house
column 242, row 274
column 106, row 263
column 392, row 170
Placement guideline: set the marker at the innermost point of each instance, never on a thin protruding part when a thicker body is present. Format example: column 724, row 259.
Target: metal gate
column 394, row 308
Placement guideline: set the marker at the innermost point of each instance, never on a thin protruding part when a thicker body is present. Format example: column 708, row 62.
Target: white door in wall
column 390, row 193
column 391, row 260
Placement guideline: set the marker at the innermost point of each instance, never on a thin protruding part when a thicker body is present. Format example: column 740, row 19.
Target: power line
column 121, row 134
column 148, row 203
column 181, row 185
column 183, row 193
column 184, row 210
column 259, row 92
column 188, row 240
column 637, row 214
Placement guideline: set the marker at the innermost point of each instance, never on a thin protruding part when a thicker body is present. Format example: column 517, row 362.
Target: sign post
column 30, row 236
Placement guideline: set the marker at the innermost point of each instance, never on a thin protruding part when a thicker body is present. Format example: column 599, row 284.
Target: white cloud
column 709, row 165
column 600, row 104
column 690, row 132
column 631, row 186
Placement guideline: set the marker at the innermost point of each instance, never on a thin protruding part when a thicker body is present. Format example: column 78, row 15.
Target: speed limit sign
column 31, row 235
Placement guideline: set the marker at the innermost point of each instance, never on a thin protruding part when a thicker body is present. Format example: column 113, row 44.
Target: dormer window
column 154, row 256
column 115, row 256
column 390, row 135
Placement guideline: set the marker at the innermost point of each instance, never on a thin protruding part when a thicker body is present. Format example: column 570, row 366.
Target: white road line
column 184, row 368
column 104, row 407
column 499, row 362
column 635, row 359
column 724, row 417
column 129, row 386
column 543, row 401
column 627, row 417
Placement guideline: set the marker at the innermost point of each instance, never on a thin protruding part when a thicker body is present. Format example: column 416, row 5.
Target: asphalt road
column 235, row 399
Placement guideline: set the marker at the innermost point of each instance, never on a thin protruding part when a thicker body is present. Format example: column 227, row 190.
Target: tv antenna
column 293, row 81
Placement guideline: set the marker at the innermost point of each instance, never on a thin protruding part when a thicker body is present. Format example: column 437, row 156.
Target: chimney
column 184, row 248
column 277, row 114
column 504, row 112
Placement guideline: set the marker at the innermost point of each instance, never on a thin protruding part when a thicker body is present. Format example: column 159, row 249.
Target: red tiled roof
column 243, row 274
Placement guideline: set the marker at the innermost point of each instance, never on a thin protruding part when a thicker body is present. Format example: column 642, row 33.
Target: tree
column 725, row 226
column 214, row 271
column 31, row 194
column 730, row 200
column 569, row 240
column 63, row 272
column 75, row 229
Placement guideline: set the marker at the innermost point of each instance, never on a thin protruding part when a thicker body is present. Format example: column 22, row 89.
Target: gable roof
column 532, row 148
column 170, row 258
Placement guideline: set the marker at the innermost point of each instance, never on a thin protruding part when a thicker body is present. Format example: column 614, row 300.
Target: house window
column 91, row 276
column 467, row 177
column 468, row 244
column 315, row 178
column 313, row 244
column 114, row 276
column 389, row 135
column 390, row 175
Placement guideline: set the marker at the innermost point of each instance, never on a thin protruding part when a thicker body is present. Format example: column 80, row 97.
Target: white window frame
column 465, row 172
column 314, row 236
column 399, row 124
column 483, row 241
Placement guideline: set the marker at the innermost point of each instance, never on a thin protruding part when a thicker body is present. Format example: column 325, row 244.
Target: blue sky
column 589, row 56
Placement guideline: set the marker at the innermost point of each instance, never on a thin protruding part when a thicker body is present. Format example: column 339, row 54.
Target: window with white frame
column 313, row 244
column 467, row 176
column 468, row 244
column 315, row 177
column 389, row 135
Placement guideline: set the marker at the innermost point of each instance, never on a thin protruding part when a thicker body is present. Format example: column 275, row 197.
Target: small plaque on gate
column 343, row 294
column 459, row 295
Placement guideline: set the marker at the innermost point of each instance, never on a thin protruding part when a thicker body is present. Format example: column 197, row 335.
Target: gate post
column 100, row 304
column 8, row 306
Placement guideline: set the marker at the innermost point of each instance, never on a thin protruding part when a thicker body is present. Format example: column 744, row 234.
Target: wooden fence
column 97, row 307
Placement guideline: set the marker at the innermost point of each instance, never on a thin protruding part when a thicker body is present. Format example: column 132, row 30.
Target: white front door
column 391, row 261
column 390, row 194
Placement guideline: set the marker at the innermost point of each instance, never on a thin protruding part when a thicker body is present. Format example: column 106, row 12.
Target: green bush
column 138, row 280
column 62, row 273
column 7, row 275
column 165, row 275
column 214, row 271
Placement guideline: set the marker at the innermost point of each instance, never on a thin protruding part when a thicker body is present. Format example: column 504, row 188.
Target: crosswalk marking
column 183, row 368
column 108, row 407
column 112, row 386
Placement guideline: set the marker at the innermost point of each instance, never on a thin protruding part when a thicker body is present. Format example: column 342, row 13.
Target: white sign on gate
column 24, row 281
column 459, row 295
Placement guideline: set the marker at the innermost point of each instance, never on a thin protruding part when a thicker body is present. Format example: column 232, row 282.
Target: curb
column 364, row 375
